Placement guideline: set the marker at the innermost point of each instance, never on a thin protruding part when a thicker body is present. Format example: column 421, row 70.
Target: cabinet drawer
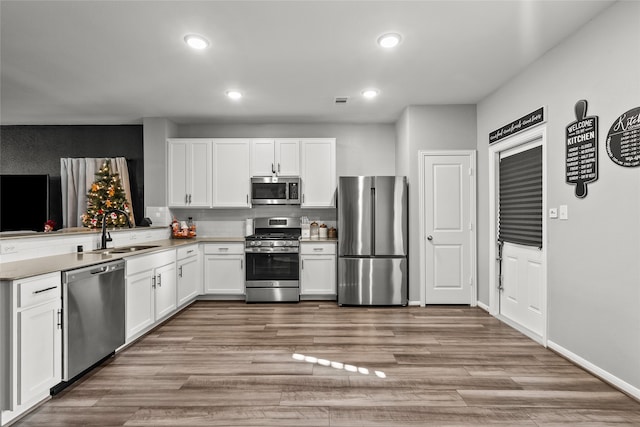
column 39, row 289
column 141, row 263
column 187, row 251
column 224, row 248
column 317, row 248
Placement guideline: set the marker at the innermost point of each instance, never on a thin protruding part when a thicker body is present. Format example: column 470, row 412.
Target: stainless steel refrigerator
column 372, row 242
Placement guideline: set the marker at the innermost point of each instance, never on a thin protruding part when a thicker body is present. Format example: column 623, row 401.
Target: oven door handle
column 271, row 250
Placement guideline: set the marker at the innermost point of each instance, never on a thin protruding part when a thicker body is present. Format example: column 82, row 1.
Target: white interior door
column 522, row 289
column 448, row 225
column 522, row 296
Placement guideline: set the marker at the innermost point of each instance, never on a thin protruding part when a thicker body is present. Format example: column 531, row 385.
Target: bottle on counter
column 332, row 233
column 314, row 230
column 323, row 231
column 175, row 227
column 192, row 227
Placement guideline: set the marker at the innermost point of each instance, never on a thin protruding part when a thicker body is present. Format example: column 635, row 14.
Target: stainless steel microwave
column 273, row 190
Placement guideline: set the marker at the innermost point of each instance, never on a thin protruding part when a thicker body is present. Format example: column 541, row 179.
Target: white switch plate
column 564, row 212
column 553, row 213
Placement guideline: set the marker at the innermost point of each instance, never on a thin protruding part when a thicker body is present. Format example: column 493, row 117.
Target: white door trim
column 422, row 154
column 538, row 133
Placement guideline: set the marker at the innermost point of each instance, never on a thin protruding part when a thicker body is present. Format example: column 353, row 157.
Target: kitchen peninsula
column 163, row 276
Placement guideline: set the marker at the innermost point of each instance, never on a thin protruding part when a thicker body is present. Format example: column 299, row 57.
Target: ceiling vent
column 341, row 99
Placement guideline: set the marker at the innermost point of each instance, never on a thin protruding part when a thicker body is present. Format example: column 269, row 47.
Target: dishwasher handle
column 92, row 271
column 100, row 270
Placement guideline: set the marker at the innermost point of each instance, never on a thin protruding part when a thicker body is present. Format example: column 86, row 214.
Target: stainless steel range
column 272, row 258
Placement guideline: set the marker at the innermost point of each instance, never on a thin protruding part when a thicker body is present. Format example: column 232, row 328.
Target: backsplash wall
column 231, row 222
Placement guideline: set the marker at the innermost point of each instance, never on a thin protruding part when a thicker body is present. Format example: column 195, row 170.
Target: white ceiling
column 115, row 62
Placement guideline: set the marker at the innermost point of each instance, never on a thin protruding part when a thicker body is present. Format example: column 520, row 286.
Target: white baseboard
column 604, row 375
column 483, row 306
column 414, row 303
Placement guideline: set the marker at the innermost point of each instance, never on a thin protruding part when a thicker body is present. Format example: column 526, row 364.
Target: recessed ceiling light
column 195, row 41
column 370, row 93
column 389, row 40
column 234, row 94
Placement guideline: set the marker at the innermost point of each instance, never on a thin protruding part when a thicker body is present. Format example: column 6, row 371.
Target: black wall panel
column 38, row 149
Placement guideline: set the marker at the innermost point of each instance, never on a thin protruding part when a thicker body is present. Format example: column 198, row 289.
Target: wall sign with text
column 582, row 150
column 623, row 139
column 524, row 122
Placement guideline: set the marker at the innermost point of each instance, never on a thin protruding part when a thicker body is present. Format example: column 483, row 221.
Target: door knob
column 429, row 237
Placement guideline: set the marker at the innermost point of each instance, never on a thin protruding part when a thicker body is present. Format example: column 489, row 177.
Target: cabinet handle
column 247, row 199
column 278, row 167
column 190, row 252
column 303, row 198
column 273, row 170
column 44, row 290
column 241, row 264
column 302, row 264
column 159, row 280
column 180, row 272
column 153, row 282
column 59, row 318
column 318, row 249
column 189, row 198
column 186, row 198
column 223, row 249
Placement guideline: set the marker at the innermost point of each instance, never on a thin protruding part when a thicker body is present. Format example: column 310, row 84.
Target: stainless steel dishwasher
column 93, row 300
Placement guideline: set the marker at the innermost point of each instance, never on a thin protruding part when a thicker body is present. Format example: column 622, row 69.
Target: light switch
column 564, row 212
column 553, row 213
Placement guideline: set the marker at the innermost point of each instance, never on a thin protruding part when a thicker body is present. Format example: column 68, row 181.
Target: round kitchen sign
column 623, row 139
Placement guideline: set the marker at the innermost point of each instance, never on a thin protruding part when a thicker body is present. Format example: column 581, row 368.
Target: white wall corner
column 483, row 306
column 596, row 370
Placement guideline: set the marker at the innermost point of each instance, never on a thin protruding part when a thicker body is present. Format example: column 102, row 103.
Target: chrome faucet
column 106, row 237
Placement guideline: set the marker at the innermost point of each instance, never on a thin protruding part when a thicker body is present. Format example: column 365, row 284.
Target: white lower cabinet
column 224, row 269
column 318, row 270
column 151, row 291
column 165, row 290
column 189, row 280
column 31, row 335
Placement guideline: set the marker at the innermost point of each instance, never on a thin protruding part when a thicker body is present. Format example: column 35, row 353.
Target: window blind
column 520, row 213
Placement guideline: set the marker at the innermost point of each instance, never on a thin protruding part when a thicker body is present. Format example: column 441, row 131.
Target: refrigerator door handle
column 373, row 221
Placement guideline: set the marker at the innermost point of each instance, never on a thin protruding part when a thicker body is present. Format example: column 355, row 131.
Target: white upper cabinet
column 318, row 172
column 189, row 172
column 216, row 172
column 231, row 173
column 279, row 157
column 262, row 154
column 287, row 157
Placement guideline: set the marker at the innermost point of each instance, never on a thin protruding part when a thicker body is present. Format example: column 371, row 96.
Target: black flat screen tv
column 24, row 202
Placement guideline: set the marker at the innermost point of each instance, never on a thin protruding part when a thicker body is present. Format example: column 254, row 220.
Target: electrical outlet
column 553, row 213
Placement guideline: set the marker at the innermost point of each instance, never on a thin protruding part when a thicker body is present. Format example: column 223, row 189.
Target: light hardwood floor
column 232, row 364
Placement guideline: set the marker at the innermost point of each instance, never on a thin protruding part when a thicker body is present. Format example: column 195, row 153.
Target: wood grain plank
column 231, row 364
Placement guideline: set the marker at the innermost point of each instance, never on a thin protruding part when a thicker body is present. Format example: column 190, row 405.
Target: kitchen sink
column 126, row 249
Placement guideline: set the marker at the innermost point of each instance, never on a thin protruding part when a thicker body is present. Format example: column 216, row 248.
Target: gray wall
column 361, row 149
column 37, row 149
column 155, row 134
column 594, row 256
column 428, row 127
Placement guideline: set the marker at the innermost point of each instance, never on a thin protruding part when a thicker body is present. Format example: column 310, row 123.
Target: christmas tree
column 106, row 193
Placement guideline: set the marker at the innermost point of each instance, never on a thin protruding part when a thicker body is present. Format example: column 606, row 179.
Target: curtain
column 520, row 214
column 77, row 175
